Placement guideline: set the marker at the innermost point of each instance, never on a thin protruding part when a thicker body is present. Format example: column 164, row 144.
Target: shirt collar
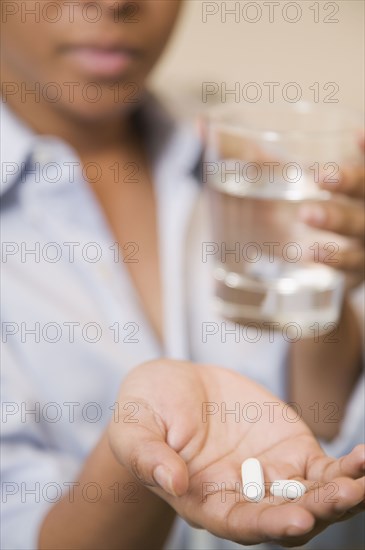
column 16, row 144
column 165, row 138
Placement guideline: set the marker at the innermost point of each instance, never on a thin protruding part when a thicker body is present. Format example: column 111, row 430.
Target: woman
column 100, row 199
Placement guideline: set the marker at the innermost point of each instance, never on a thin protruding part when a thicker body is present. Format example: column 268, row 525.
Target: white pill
column 252, row 480
column 287, row 488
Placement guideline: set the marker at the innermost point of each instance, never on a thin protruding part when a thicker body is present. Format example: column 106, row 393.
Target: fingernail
column 163, row 478
column 297, row 530
column 312, row 214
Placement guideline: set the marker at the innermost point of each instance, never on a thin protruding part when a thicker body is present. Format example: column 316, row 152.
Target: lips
column 98, row 61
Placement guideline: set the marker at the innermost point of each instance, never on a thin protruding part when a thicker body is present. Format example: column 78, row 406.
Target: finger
column 344, row 219
column 334, row 499
column 362, row 141
column 329, row 501
column 353, row 511
column 328, row 506
column 350, row 181
column 296, row 521
column 353, row 280
column 347, row 260
column 252, row 523
column 325, row 469
column 141, row 447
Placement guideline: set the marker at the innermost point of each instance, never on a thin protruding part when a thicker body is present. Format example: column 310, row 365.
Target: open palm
column 190, row 429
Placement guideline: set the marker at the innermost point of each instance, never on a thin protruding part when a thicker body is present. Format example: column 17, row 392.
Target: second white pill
column 287, row 488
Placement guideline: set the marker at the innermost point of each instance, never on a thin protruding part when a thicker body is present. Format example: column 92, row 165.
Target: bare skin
column 182, row 428
column 326, row 372
column 322, row 372
column 127, row 515
column 42, row 52
column 130, row 209
column 48, row 52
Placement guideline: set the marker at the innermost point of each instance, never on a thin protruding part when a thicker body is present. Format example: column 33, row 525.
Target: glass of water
column 262, row 164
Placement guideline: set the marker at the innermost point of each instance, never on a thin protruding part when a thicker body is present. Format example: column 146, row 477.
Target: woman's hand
column 184, row 429
column 345, row 217
column 326, row 371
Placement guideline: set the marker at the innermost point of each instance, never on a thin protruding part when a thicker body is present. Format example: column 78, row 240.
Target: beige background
column 304, row 52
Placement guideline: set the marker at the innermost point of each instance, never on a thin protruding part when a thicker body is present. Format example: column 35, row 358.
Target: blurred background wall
column 318, row 46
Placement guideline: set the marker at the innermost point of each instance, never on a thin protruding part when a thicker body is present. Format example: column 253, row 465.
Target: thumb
column 139, row 444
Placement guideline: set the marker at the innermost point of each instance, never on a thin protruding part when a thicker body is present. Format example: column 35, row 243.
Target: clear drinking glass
column 262, row 164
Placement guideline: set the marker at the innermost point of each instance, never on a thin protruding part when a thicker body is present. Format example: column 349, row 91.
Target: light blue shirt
column 73, row 326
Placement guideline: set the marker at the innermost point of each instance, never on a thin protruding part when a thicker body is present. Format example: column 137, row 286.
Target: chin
column 101, row 108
